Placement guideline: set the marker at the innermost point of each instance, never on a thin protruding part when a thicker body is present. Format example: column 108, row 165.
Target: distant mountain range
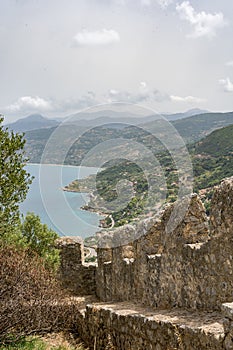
column 83, row 138
column 92, row 119
column 32, row 122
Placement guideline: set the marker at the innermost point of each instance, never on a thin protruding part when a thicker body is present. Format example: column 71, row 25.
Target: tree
column 40, row 239
column 14, row 179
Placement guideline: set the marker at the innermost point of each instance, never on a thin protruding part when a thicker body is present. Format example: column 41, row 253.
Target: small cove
column 58, row 209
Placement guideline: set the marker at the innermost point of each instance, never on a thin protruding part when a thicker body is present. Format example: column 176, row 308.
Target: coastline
column 65, row 165
column 65, row 189
column 86, row 207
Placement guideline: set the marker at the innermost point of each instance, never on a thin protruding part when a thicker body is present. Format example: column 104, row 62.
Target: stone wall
column 191, row 266
column 125, row 326
column 163, row 289
column 76, row 276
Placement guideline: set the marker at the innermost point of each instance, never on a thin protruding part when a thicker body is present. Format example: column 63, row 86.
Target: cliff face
column 185, row 266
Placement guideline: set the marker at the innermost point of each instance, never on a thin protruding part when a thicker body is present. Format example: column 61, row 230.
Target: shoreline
column 86, row 207
column 65, row 165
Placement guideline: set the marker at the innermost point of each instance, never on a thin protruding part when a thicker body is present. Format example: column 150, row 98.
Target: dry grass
column 62, row 341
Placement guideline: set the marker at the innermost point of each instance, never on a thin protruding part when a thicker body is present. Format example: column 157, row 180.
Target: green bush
column 40, row 239
column 14, row 179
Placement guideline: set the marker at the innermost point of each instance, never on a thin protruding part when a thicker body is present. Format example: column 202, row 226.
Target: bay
column 58, row 209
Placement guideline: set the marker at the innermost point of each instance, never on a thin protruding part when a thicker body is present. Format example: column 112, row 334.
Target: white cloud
column 147, row 94
column 29, row 103
column 227, row 84
column 103, row 37
column 204, row 24
column 144, row 94
column 229, row 64
column 188, row 99
column 87, row 100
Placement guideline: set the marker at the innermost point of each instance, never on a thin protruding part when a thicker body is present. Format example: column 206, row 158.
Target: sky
column 58, row 57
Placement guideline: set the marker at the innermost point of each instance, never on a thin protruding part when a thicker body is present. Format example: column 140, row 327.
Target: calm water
column 58, row 209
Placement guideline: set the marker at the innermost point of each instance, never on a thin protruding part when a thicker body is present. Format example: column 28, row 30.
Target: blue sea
column 58, row 209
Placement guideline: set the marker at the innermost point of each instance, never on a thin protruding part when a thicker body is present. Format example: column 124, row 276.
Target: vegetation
column 31, row 299
column 14, row 179
column 14, row 184
column 106, row 184
column 219, row 143
column 27, row 344
column 37, row 343
column 40, row 239
column 197, row 127
column 212, row 159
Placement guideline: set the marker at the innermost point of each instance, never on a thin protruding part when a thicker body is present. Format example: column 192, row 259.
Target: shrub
column 31, row 299
column 14, row 179
column 39, row 238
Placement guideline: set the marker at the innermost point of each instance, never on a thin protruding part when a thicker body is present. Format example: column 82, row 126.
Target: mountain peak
column 195, row 111
column 32, row 122
column 34, row 117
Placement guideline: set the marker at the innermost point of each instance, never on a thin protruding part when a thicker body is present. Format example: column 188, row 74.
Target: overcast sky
column 60, row 56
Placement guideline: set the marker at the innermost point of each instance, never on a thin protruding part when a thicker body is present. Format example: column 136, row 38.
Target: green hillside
column 218, row 143
column 197, row 127
column 212, row 160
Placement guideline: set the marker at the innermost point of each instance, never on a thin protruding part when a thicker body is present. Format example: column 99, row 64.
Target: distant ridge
column 32, row 122
column 112, row 118
column 190, row 113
